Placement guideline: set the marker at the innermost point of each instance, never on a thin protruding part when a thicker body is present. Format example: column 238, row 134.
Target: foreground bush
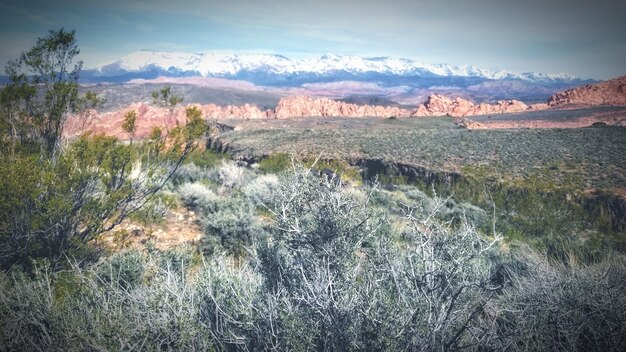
column 81, row 310
column 554, row 306
column 329, row 272
column 226, row 216
column 222, row 306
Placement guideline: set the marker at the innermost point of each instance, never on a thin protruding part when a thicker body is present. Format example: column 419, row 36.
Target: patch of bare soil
column 180, row 226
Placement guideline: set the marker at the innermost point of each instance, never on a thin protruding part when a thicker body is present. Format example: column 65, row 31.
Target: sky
column 583, row 38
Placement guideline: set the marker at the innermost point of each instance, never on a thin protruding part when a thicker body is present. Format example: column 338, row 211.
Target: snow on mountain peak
column 140, row 60
column 221, row 64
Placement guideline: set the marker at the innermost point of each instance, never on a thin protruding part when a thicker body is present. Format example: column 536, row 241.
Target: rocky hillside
column 149, row 116
column 438, row 105
column 300, row 106
column 611, row 92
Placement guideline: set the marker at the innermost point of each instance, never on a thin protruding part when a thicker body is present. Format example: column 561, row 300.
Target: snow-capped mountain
column 267, row 68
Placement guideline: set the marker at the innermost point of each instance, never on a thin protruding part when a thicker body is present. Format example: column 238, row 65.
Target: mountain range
column 275, row 66
column 403, row 81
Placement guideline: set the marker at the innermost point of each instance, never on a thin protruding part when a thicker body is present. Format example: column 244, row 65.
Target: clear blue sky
column 584, row 38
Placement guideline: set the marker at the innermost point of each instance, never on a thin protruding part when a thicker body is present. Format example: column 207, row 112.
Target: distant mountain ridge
column 278, row 70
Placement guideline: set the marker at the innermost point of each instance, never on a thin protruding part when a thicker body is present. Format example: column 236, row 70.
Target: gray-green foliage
column 230, row 175
column 313, row 259
column 328, row 272
column 123, row 269
column 225, row 215
column 177, row 258
column 562, row 307
column 261, row 190
column 404, row 197
column 198, row 196
column 232, row 224
column 83, row 311
column 189, row 173
column 438, row 280
column 223, row 306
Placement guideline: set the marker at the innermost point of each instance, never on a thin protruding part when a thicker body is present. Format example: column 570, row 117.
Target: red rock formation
column 438, row 105
column 246, row 111
column 611, row 92
column 304, row 106
column 149, row 116
column 538, row 106
column 110, row 123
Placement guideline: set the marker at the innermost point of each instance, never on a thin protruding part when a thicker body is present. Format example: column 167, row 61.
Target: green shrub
column 158, row 314
column 228, row 221
column 189, row 173
column 261, row 190
column 230, row 175
column 232, row 226
column 421, row 199
column 199, row 196
column 58, row 197
column 206, row 158
column 154, row 211
column 392, row 178
column 313, row 250
column 330, row 272
column 336, row 166
column 565, row 307
column 124, row 269
column 177, row 259
column 275, row 163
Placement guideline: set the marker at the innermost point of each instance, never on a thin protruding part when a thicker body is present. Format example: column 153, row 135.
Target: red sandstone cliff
column 303, row 106
column 149, row 116
column 438, row 105
column 611, row 92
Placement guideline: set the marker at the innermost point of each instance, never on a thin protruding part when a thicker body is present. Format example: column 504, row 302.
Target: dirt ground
column 180, row 226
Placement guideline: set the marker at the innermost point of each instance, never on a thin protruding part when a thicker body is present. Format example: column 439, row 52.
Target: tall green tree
column 166, row 99
column 42, row 89
column 58, row 198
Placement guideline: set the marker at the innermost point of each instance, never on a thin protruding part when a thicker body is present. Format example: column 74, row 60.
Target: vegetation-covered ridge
column 592, row 155
column 542, row 182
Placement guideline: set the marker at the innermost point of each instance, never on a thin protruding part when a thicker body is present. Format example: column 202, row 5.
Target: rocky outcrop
column 304, row 106
column 611, row 92
column 110, row 123
column 438, row 105
column 149, row 116
column 246, row 112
